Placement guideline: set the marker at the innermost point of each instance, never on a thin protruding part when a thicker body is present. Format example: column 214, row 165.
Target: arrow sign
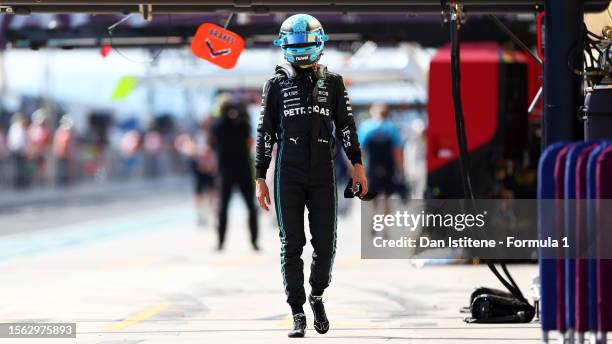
column 217, row 45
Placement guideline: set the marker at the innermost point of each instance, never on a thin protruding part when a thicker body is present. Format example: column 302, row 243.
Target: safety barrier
column 576, row 297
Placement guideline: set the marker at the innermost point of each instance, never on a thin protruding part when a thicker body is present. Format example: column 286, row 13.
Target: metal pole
column 25, row 7
column 562, row 88
column 248, row 3
column 515, row 39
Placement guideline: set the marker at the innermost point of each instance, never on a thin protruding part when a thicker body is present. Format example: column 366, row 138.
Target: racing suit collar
column 292, row 71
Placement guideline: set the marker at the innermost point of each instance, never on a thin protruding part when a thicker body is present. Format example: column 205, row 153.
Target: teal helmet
column 302, row 39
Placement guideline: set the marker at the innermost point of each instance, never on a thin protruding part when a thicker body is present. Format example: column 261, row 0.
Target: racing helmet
column 302, row 39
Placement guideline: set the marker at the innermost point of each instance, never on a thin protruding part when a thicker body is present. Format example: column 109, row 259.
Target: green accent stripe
column 279, row 215
column 331, row 266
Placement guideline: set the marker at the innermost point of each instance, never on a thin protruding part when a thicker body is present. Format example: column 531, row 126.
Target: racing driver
column 303, row 105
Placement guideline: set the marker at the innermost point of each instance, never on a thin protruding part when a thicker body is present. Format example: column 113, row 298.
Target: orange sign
column 217, row 45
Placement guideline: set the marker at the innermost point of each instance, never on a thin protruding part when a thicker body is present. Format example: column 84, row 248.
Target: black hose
column 468, row 191
column 512, row 288
column 518, row 293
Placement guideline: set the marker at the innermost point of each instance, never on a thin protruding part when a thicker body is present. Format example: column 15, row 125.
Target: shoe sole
column 297, row 335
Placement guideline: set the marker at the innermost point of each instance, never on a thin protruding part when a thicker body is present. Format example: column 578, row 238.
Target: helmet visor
column 292, row 39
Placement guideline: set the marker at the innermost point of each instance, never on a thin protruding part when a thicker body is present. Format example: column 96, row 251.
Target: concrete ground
column 138, row 270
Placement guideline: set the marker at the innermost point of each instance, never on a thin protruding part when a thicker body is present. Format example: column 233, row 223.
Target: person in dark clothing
column 383, row 148
column 302, row 105
column 232, row 141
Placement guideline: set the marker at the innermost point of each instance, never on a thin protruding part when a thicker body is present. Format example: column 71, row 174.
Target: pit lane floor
column 147, row 274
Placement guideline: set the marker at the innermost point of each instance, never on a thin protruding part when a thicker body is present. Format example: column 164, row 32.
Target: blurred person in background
column 153, row 145
column 39, row 136
column 301, row 106
column 232, row 141
column 64, row 151
column 129, row 147
column 382, row 147
column 17, row 144
column 204, row 168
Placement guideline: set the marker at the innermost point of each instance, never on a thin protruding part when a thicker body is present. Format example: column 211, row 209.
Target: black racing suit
column 300, row 109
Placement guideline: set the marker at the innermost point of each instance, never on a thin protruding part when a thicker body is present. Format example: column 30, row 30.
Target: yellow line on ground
column 349, row 261
column 165, row 271
column 286, row 322
column 136, row 318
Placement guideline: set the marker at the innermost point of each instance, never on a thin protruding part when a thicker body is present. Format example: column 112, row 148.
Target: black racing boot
column 299, row 326
column 321, row 324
